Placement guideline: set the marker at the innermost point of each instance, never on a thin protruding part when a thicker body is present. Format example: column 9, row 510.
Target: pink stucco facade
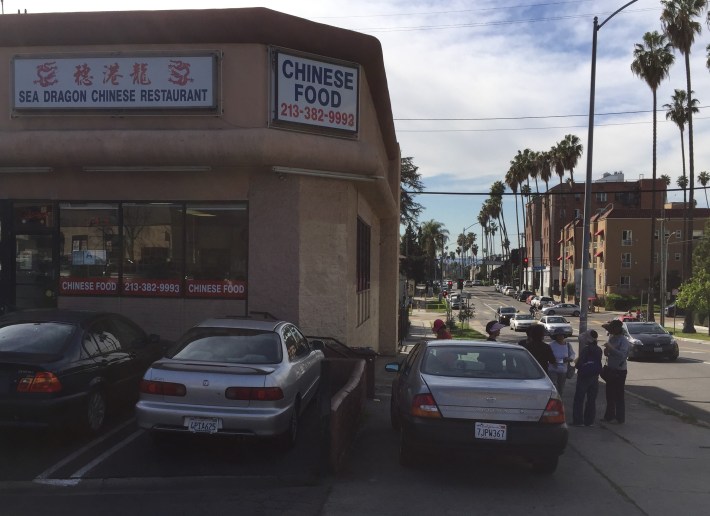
column 302, row 242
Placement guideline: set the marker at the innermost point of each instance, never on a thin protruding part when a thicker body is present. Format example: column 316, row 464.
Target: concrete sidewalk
column 657, row 463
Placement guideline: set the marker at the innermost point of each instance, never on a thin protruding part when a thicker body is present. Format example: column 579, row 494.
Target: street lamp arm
column 615, row 13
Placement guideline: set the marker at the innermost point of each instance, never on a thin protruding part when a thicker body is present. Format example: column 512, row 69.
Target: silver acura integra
column 232, row 376
column 476, row 396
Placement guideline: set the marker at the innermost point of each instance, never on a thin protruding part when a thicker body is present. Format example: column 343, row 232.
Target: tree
column 570, row 149
column 410, row 185
column 413, row 265
column 666, row 179
column 511, row 179
column 678, row 19
column 695, row 293
column 652, row 61
column 703, row 179
column 433, row 238
column 677, row 112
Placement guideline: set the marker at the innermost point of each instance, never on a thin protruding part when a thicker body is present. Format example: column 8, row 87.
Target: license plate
column 658, row 350
column 206, row 425
column 492, row 431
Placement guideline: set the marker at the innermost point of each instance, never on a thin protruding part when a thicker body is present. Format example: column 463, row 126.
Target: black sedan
column 65, row 368
column 504, row 313
column 650, row 340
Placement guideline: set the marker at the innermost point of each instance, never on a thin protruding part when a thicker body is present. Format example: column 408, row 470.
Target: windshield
column 480, row 362
column 35, row 338
column 556, row 320
column 648, row 328
column 523, row 317
column 229, row 345
column 509, row 310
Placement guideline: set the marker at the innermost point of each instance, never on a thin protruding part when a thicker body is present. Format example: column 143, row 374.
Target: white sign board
column 132, row 82
column 316, row 93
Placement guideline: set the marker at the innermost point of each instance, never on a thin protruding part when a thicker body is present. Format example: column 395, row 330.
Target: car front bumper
column 649, row 351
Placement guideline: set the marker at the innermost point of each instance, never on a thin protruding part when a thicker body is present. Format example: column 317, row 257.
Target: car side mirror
column 318, row 344
column 392, row 367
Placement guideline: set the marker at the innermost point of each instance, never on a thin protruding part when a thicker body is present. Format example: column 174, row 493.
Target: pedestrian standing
column 564, row 356
column 493, row 329
column 440, row 330
column 589, row 365
column 616, row 349
column 538, row 348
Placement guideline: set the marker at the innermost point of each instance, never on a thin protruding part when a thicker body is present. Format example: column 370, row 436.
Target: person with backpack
column 589, row 365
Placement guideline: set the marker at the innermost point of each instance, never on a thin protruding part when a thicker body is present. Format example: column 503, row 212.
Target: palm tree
column 571, row 150
column 666, row 179
column 677, row 112
column 679, row 24
column 652, row 61
column 511, row 179
column 703, row 179
column 433, row 237
column 545, row 172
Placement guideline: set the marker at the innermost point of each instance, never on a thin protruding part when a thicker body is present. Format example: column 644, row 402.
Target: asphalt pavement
column 658, row 462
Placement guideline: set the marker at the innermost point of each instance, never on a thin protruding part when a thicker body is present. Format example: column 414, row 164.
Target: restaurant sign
column 114, row 82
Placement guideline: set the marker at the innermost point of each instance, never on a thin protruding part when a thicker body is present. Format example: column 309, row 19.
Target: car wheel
column 95, row 411
column 550, row 312
column 545, row 465
column 674, row 356
column 289, row 437
column 394, row 417
column 407, row 455
column 575, row 313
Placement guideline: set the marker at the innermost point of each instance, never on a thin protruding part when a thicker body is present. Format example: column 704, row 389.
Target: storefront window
column 216, row 250
column 89, row 244
column 32, row 216
column 152, row 249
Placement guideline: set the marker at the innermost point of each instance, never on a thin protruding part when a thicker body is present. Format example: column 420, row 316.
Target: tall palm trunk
column 688, row 326
column 520, row 255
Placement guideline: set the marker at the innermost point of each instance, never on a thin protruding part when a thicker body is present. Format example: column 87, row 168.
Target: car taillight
column 554, row 412
column 254, row 393
column 162, row 388
column 424, row 405
column 40, row 382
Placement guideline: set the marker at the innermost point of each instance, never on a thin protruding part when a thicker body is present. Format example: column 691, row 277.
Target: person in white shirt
column 564, row 356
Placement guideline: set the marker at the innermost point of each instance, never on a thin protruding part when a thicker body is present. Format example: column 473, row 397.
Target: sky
column 472, row 82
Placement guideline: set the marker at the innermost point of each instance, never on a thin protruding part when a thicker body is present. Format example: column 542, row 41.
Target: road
column 683, row 385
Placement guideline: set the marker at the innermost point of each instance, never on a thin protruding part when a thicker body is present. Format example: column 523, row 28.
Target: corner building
column 179, row 165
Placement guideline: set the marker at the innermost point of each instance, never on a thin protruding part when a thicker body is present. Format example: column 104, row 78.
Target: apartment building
column 549, row 213
column 620, row 248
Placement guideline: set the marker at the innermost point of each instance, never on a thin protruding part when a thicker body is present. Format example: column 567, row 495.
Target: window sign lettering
column 111, row 82
column 316, row 93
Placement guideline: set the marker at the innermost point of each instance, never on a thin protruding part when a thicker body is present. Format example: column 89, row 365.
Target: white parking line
column 66, row 460
column 105, row 455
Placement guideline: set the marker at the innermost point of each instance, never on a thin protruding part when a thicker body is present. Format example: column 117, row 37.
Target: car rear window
column 229, row 345
column 35, row 338
column 481, row 362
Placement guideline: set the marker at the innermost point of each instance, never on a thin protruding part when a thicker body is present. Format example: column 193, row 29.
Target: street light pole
column 586, row 281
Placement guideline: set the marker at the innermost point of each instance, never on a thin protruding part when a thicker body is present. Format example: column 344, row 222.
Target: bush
column 620, row 303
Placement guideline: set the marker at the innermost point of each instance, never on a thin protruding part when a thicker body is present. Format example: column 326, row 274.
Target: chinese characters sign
column 316, row 93
column 110, row 82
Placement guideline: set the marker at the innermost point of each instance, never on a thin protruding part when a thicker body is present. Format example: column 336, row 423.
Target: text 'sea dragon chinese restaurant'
column 179, row 165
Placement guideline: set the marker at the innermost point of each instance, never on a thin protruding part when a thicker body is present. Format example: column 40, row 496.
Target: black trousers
column 615, row 406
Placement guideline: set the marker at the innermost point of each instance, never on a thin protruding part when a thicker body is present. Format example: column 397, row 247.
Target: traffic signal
column 459, row 284
column 525, row 261
column 450, row 284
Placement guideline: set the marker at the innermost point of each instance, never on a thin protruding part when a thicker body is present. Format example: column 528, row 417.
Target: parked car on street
column 650, row 340
column 524, row 295
column 521, row 322
column 541, row 301
column 504, row 313
column 232, row 376
column 562, row 309
column 473, row 396
column 477, row 283
column 553, row 323
column 673, row 311
column 454, row 301
column 68, row 368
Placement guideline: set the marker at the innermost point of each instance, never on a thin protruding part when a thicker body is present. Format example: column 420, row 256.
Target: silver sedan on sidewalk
column 232, row 376
column 476, row 396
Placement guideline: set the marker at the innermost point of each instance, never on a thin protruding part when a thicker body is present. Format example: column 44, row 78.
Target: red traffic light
column 525, row 260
